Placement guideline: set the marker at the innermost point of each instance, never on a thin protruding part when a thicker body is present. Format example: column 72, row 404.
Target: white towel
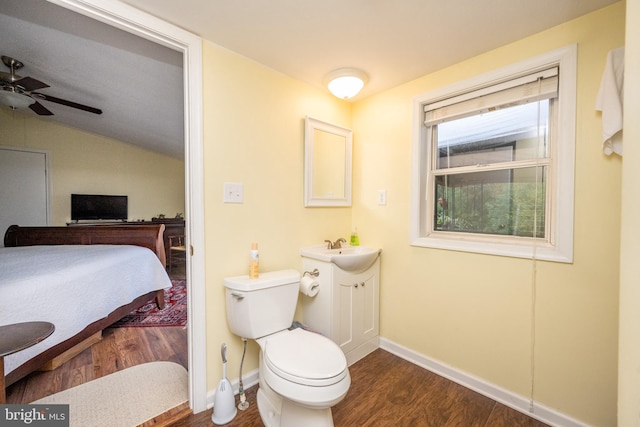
column 610, row 101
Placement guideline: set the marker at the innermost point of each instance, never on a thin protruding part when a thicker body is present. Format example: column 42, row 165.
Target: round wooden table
column 16, row 337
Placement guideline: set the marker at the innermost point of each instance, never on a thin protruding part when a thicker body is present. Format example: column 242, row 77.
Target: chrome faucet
column 335, row 245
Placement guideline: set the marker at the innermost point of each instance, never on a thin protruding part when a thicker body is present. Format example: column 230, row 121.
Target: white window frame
column 559, row 247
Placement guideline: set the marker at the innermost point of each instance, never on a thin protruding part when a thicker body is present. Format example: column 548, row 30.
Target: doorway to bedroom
column 127, row 345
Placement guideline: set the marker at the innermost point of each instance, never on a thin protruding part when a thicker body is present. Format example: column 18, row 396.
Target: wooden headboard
column 147, row 236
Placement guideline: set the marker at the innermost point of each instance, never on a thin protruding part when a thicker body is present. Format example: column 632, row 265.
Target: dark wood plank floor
column 389, row 391
column 120, row 348
column 385, row 389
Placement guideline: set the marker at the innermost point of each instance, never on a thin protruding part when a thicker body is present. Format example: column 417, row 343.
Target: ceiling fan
column 18, row 92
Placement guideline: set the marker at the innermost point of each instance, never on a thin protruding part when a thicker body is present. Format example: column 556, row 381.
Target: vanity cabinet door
column 369, row 291
column 356, row 299
column 347, row 311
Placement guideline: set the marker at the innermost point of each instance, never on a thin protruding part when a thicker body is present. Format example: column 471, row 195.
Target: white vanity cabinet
column 346, row 309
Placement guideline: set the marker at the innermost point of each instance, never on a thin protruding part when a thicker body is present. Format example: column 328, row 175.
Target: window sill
column 495, row 246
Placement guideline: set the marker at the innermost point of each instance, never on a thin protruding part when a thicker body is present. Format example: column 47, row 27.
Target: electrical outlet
column 382, row 197
column 233, row 192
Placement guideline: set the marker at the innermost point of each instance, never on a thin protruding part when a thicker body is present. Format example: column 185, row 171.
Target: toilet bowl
column 301, row 369
column 302, row 373
column 305, row 367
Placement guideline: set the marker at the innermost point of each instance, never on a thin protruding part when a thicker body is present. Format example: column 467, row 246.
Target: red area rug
column 173, row 314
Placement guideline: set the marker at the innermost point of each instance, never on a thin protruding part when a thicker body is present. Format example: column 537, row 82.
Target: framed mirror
column 327, row 164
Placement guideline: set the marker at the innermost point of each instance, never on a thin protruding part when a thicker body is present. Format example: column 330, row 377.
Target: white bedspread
column 71, row 287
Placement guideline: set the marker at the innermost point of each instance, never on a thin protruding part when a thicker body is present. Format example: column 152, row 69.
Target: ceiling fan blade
column 29, row 84
column 40, row 109
column 67, row 103
column 7, row 78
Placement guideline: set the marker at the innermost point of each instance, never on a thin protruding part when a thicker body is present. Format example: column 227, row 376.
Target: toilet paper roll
column 309, row 286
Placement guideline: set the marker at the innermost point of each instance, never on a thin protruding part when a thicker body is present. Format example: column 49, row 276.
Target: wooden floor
column 120, row 348
column 385, row 390
column 389, row 391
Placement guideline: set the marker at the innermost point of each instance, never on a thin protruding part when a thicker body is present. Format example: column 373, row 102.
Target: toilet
column 302, row 373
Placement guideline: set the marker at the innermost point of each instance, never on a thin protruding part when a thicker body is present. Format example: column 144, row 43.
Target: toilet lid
column 305, row 357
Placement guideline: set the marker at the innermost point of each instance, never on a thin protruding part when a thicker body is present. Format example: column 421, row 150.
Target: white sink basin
column 348, row 258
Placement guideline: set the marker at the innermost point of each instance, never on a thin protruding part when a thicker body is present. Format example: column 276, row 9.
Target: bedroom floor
column 119, row 348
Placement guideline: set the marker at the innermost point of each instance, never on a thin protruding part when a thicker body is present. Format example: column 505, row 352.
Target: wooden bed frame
column 148, row 236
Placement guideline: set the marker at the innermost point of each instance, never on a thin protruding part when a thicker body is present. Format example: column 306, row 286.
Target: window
column 493, row 161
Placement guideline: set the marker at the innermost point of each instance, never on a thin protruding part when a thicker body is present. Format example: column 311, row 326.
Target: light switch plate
column 382, row 197
column 233, row 192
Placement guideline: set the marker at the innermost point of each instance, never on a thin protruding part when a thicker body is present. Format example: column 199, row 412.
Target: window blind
column 532, row 87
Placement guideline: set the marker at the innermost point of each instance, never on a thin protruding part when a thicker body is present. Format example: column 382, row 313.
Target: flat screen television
column 99, row 207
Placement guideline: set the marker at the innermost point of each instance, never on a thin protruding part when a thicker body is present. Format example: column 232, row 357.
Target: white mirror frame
column 310, row 200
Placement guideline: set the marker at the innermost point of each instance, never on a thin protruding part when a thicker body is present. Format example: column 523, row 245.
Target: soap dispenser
column 355, row 241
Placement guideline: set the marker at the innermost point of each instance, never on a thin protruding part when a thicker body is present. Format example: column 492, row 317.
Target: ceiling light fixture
column 345, row 83
column 15, row 100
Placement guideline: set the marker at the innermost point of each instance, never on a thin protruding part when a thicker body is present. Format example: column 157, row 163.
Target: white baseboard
column 519, row 403
column 248, row 380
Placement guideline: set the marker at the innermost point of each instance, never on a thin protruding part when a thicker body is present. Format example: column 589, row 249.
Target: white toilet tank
column 262, row 306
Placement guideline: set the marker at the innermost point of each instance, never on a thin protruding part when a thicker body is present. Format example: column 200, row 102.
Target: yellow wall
column 254, row 135
column 629, row 370
column 471, row 311
column 86, row 163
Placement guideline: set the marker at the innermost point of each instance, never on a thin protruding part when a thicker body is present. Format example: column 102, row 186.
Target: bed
column 80, row 278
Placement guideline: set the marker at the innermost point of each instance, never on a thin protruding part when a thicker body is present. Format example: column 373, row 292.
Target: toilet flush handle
column 237, row 295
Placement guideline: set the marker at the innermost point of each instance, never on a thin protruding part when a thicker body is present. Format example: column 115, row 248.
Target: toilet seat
column 305, row 358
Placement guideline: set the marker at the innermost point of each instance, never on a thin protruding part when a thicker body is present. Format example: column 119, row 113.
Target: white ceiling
column 393, row 41
column 138, row 85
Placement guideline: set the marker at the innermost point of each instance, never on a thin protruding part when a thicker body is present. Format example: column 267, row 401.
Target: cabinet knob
column 362, row 284
column 356, row 285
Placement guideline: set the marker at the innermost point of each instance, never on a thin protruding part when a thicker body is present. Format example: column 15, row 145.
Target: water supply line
column 243, row 398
